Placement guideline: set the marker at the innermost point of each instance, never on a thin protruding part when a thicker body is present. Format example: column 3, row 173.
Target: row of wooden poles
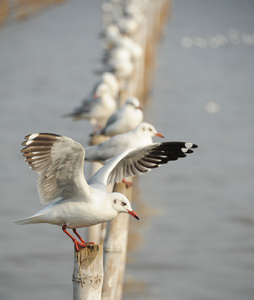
column 93, row 277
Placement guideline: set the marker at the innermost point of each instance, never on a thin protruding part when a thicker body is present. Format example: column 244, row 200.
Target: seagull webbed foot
column 79, row 245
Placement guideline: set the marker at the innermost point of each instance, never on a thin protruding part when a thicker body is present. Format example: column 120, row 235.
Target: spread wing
column 140, row 160
column 59, row 162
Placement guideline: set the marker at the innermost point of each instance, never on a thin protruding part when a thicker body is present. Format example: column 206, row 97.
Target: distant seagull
column 119, row 63
column 59, row 161
column 140, row 136
column 110, row 35
column 125, row 42
column 129, row 116
column 111, row 81
column 97, row 108
column 117, row 54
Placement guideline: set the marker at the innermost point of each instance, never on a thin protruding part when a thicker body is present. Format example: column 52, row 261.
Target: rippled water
column 197, row 213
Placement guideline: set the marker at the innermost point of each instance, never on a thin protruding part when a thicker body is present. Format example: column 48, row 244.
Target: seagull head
column 122, row 205
column 134, row 102
column 148, row 130
column 101, row 90
column 111, row 81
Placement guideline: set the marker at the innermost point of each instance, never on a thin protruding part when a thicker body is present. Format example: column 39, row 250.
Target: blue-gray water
column 199, row 244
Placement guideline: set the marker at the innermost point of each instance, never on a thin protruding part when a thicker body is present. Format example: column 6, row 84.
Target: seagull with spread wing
column 74, row 202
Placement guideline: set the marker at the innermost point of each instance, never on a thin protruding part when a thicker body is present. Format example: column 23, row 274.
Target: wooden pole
column 115, row 251
column 124, row 228
column 96, row 233
column 88, row 273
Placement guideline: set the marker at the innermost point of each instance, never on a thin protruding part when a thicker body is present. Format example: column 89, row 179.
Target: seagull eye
column 123, row 203
column 150, row 129
column 114, row 201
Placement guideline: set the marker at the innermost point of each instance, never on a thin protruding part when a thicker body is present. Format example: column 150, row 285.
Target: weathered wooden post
column 115, row 251
column 88, row 273
column 96, row 233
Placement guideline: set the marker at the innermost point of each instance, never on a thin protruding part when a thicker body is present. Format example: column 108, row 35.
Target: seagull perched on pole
column 72, row 202
column 126, row 118
column 140, row 136
column 96, row 108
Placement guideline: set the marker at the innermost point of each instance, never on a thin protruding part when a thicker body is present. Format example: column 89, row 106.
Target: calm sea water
column 196, row 234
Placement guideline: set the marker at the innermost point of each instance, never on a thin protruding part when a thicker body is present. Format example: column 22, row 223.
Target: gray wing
column 59, row 162
column 84, row 108
column 112, row 119
column 86, row 105
column 140, row 160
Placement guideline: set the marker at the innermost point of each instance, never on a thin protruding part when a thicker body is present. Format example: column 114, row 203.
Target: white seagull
column 59, row 162
column 129, row 116
column 140, row 136
column 111, row 81
column 96, row 108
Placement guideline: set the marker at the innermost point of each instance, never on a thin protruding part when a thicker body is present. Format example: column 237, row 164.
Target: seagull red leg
column 75, row 231
column 77, row 244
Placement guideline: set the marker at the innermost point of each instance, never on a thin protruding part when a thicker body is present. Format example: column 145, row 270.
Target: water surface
column 197, row 224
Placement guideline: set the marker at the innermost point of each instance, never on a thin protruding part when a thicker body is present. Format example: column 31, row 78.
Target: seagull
column 109, row 79
column 121, row 68
column 140, row 136
column 96, row 108
column 72, row 202
column 125, row 119
column 125, row 42
column 110, row 35
column 117, row 54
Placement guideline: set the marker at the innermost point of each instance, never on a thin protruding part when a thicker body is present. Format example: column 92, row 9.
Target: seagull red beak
column 140, row 108
column 132, row 212
column 95, row 96
column 159, row 134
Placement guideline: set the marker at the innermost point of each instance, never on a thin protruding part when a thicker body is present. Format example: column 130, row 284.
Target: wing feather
column 59, row 162
column 139, row 160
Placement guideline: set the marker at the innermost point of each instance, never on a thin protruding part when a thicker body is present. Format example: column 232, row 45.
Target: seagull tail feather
column 29, row 220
